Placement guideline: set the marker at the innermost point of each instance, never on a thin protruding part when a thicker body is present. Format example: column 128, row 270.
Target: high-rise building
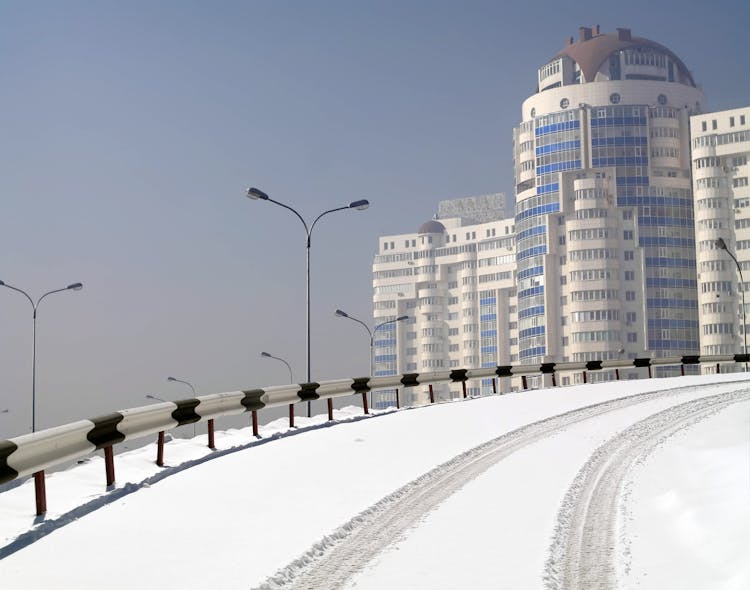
column 456, row 282
column 605, row 242
column 721, row 147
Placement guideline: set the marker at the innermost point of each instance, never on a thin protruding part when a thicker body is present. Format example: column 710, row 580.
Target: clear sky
column 130, row 131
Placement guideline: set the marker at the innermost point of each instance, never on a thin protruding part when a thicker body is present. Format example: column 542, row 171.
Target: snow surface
column 254, row 512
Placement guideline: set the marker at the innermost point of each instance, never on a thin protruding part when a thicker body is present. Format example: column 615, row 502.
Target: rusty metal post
column 160, row 449
column 291, row 415
column 398, row 402
column 585, row 378
column 364, row 402
column 40, row 492
column 211, row 444
column 494, row 385
column 432, row 395
column 109, row 465
column 255, row 424
column 524, row 382
column 330, row 408
column 463, row 385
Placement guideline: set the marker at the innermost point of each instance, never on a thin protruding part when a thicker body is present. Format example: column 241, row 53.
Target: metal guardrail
column 33, row 453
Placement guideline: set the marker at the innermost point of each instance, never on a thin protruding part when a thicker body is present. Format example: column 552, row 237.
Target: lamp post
column 343, row 314
column 190, row 385
column 722, row 245
column 360, row 205
column 35, row 306
column 291, row 380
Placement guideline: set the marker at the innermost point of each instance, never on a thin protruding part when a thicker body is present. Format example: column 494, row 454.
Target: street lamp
column 722, row 245
column 288, row 366
column 291, row 380
column 158, row 399
column 343, row 314
column 360, row 205
column 190, row 385
column 73, row 287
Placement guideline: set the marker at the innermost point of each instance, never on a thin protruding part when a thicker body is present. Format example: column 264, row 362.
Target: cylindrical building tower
column 605, row 238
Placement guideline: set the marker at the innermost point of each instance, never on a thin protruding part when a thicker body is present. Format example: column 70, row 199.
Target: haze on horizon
column 131, row 131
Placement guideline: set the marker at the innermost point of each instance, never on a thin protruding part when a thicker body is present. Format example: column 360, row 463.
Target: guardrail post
column 255, row 424
column 718, row 368
column 330, row 408
column 682, row 370
column 524, row 382
column 432, row 395
column 211, row 444
column 649, row 372
column 398, row 402
column 160, row 449
column 364, row 402
column 109, row 465
column 463, row 385
column 585, row 378
column 291, row 415
column 494, row 385
column 554, row 381
column 40, row 492
column 617, row 374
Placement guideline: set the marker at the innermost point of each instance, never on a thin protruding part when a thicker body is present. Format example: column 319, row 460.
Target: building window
column 731, row 121
column 632, row 337
column 614, row 98
column 713, row 124
column 564, row 103
column 629, row 275
column 703, row 126
column 628, row 255
column 662, row 99
column 627, row 234
column 629, row 295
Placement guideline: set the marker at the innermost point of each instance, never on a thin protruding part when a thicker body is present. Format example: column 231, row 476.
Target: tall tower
column 721, row 148
column 605, row 240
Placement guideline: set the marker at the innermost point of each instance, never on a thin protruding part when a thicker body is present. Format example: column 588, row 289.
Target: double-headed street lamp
column 73, row 287
column 722, row 245
column 343, row 314
column 257, row 194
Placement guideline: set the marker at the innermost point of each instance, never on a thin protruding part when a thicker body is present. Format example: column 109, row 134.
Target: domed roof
column 431, row 227
column 590, row 52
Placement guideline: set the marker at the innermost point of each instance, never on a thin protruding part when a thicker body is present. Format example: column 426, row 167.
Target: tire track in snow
column 330, row 562
column 584, row 548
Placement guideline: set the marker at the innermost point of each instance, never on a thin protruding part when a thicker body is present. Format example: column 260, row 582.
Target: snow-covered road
column 490, row 493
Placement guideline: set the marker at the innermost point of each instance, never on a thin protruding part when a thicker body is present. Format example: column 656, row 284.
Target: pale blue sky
column 130, row 131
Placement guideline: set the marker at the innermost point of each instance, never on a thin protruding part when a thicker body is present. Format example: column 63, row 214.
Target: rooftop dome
column 592, row 49
column 431, row 227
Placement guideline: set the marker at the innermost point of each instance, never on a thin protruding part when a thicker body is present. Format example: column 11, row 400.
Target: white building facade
column 456, row 282
column 605, row 243
column 721, row 147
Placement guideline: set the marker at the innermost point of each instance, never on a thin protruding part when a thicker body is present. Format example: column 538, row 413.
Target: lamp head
column 255, row 194
column 75, row 287
column 402, row 317
column 342, row 314
column 2, row 284
column 360, row 205
column 264, row 354
column 721, row 244
column 171, row 379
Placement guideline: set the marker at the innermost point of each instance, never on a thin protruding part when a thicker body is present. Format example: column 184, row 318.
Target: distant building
column 721, row 147
column 473, row 210
column 456, row 283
